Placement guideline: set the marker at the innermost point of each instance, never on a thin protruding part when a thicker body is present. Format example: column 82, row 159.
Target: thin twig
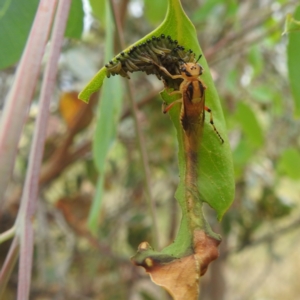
column 140, row 136
column 30, row 192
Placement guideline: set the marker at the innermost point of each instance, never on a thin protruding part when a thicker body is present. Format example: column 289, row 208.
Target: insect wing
column 192, row 114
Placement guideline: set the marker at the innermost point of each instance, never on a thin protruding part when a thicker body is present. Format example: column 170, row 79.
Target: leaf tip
column 83, row 97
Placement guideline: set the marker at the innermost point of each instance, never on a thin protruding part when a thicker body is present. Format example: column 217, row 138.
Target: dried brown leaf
column 179, row 276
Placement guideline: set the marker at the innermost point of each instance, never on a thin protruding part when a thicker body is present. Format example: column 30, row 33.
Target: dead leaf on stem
column 180, row 276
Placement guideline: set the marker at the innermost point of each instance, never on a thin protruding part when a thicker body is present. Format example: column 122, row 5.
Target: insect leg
column 166, row 108
column 211, row 121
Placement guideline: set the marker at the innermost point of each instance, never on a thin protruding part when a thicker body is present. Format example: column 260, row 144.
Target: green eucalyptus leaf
column 16, row 18
column 176, row 24
column 294, row 64
column 107, row 119
column 75, row 20
column 108, row 113
column 155, row 10
column 249, row 124
column 215, row 169
column 289, row 163
column 98, row 10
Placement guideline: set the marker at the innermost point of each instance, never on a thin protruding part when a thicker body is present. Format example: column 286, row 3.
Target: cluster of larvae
column 147, row 57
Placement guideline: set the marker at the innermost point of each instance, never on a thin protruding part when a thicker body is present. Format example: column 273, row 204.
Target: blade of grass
column 18, row 100
column 108, row 115
column 30, row 192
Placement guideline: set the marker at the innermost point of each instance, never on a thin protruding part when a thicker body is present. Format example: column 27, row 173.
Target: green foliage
column 155, row 10
column 271, row 207
column 98, row 10
column 241, row 156
column 75, row 20
column 289, row 163
column 291, row 24
column 231, row 80
column 107, row 119
column 216, row 182
column 206, row 10
column 215, row 9
column 249, row 124
column 294, row 63
column 16, row 18
column 176, row 24
column 256, row 59
column 262, row 93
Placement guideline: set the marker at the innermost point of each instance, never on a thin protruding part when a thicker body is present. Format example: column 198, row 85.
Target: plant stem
column 18, row 100
column 30, row 192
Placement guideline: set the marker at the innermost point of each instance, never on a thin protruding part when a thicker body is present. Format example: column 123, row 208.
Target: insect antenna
column 198, row 58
